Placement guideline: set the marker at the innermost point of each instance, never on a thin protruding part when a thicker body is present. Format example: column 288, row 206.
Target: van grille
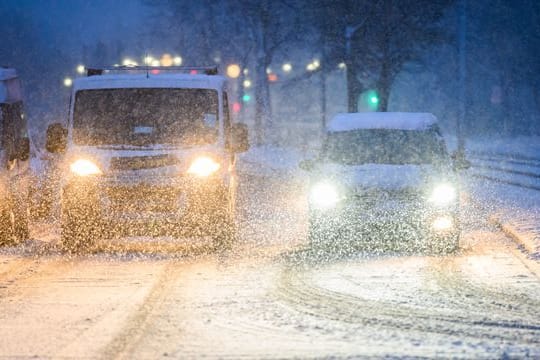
column 143, row 162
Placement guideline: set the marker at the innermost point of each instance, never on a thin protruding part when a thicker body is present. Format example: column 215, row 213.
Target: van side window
column 226, row 121
column 14, row 128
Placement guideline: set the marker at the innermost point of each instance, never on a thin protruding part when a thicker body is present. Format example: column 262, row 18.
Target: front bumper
column 132, row 200
column 399, row 221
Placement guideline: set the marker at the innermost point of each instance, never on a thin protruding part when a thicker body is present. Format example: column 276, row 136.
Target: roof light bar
column 207, row 70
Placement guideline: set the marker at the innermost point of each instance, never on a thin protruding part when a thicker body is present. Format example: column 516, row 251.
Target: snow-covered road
column 264, row 299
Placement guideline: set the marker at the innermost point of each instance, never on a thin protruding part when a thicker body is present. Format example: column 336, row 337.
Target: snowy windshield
column 384, row 146
column 137, row 116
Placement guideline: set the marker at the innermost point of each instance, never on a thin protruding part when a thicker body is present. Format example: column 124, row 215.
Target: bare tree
column 376, row 39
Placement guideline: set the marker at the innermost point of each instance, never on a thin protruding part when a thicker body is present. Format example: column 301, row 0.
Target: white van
column 14, row 160
column 148, row 146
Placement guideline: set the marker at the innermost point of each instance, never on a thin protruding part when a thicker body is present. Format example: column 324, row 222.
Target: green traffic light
column 374, row 99
column 246, row 98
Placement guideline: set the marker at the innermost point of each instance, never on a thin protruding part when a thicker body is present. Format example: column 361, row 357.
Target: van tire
column 7, row 228
column 79, row 231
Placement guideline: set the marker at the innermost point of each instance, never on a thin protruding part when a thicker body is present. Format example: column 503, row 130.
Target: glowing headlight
column 443, row 194
column 324, row 195
column 203, row 166
column 83, row 167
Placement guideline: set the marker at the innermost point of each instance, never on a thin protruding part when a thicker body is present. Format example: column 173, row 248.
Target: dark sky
column 75, row 22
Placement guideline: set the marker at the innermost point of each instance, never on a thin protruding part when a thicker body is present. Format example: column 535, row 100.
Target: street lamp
column 129, row 62
column 148, row 59
column 166, row 60
column 287, row 67
column 233, row 71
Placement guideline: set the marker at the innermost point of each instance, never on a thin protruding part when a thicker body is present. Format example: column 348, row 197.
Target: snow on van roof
column 10, row 86
column 7, row 73
column 381, row 120
column 149, row 81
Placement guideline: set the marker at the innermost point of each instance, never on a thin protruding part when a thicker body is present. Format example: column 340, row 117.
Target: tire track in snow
column 302, row 293
column 122, row 345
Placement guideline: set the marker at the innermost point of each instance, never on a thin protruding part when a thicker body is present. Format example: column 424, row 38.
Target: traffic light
column 236, row 107
column 246, row 97
column 370, row 100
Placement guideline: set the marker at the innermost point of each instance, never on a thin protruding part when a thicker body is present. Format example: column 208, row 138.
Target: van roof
column 7, row 73
column 381, row 120
column 149, row 81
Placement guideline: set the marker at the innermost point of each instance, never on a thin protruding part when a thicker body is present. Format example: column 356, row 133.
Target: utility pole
column 462, row 66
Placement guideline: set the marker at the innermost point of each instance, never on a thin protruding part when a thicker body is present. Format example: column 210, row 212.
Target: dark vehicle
column 14, row 160
column 380, row 175
column 148, row 147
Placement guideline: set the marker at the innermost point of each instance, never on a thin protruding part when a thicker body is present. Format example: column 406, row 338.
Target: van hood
column 383, row 176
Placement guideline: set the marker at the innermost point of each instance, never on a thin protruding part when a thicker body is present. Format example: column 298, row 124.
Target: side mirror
column 460, row 163
column 307, row 165
column 239, row 138
column 56, row 138
column 24, row 149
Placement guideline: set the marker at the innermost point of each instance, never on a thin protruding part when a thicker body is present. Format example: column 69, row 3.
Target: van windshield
column 145, row 116
column 384, row 146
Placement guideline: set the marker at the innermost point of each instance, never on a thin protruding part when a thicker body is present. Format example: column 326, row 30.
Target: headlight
column 83, row 167
column 203, row 166
column 324, row 196
column 443, row 194
column 442, row 223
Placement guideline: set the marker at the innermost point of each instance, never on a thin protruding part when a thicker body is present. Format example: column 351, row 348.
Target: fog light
column 443, row 223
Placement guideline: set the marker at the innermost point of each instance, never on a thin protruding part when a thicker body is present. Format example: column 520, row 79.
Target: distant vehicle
column 14, row 160
column 379, row 175
column 151, row 147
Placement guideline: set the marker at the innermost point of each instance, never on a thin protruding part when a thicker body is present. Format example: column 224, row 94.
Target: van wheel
column 7, row 228
column 79, row 232
column 21, row 230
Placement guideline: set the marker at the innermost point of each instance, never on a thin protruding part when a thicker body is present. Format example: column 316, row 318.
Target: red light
column 236, row 107
column 193, row 72
column 272, row 77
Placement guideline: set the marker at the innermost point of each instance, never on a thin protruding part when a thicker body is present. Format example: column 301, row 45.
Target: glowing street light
column 177, row 60
column 310, row 67
column 129, row 62
column 287, row 67
column 166, row 60
column 233, row 71
column 68, row 82
column 148, row 59
column 342, row 66
column 247, row 83
column 80, row 69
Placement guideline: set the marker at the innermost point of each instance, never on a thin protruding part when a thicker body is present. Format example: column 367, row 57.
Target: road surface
column 267, row 298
